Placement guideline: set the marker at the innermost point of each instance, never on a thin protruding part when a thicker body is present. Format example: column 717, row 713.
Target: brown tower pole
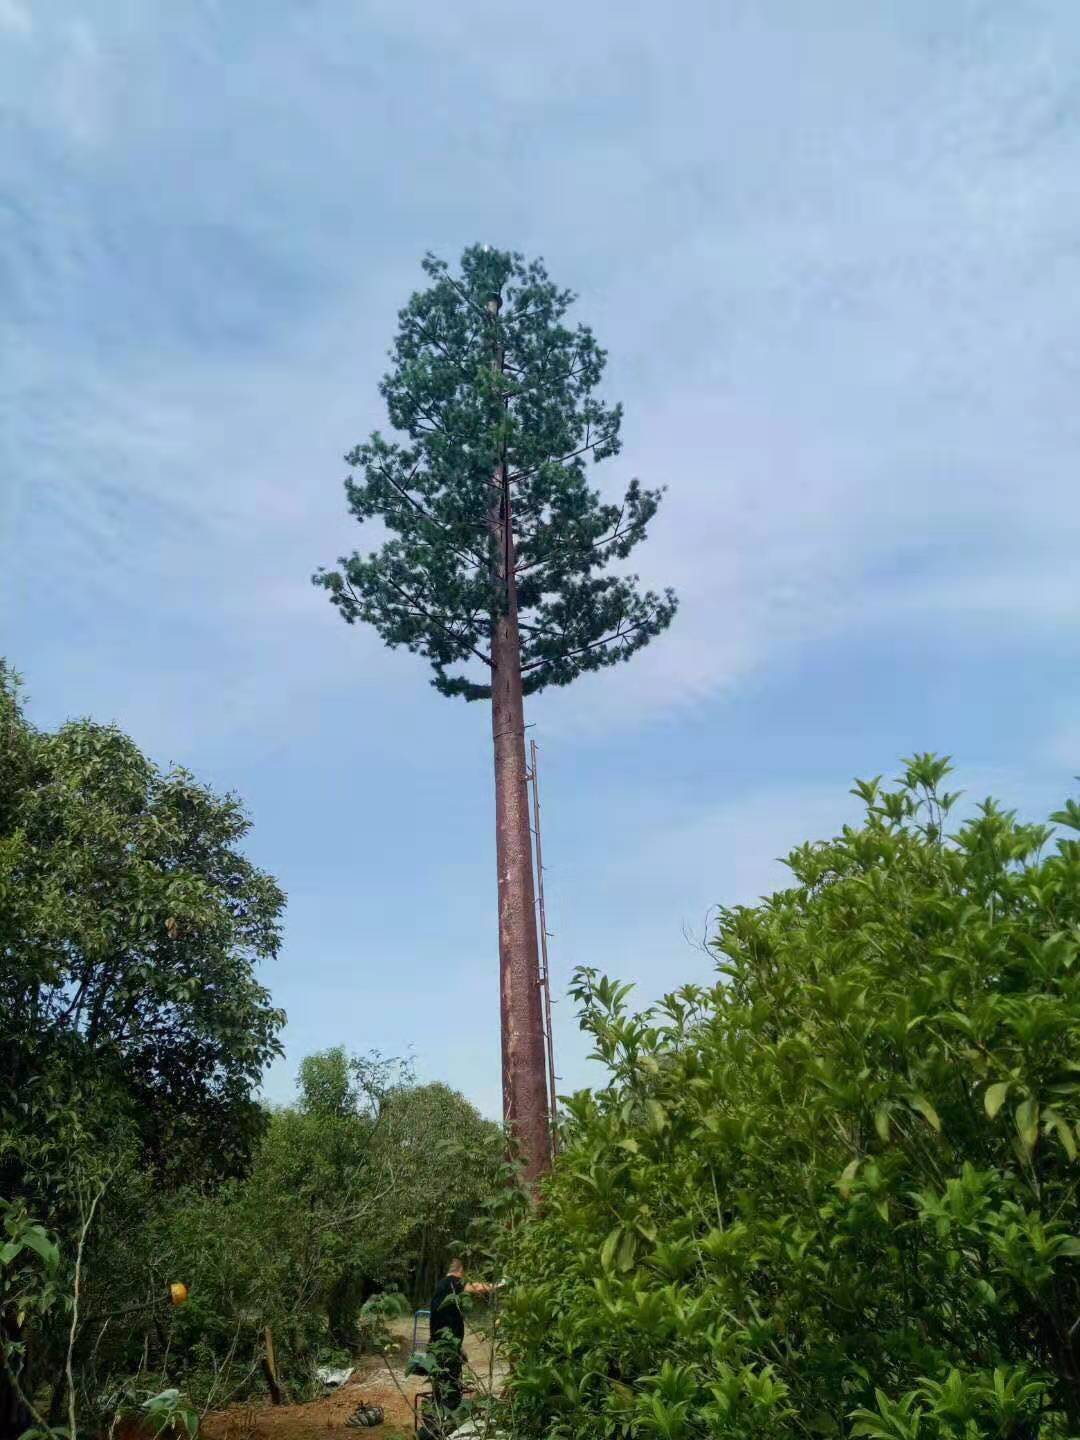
column 524, row 1080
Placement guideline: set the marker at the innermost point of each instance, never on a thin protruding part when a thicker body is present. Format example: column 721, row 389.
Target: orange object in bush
column 178, row 1294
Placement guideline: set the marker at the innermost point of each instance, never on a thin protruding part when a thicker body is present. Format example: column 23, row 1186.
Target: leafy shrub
column 373, row 1334
column 836, row 1193
column 133, row 1029
column 166, row 1413
column 391, row 1305
column 338, row 1204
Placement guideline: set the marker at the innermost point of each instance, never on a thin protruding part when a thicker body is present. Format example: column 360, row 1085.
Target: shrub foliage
column 133, row 1027
column 836, row 1193
column 134, row 1151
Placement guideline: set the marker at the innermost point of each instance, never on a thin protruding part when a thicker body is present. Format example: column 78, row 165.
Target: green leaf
column 927, row 1111
column 881, row 1120
column 822, row 1423
column 1027, row 1123
column 1053, row 1121
column 609, row 1247
column 658, row 1118
column 1069, row 816
column 847, row 1178
column 36, row 1239
column 995, row 1097
column 624, row 1259
column 1070, row 1246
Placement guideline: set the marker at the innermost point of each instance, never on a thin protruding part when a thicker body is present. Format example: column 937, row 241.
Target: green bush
column 391, row 1305
column 347, row 1195
column 836, row 1193
column 133, row 1033
column 372, row 1333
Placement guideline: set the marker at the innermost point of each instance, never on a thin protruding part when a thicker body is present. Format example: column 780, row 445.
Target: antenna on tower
column 544, row 978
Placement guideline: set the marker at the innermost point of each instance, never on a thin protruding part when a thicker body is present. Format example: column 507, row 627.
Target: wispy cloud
column 825, row 378
column 1063, row 748
column 832, row 255
column 15, row 17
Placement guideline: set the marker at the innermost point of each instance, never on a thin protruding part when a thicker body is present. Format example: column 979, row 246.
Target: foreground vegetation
column 836, row 1194
column 133, row 1152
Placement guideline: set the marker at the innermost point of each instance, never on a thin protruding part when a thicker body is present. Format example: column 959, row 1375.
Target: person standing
column 447, row 1333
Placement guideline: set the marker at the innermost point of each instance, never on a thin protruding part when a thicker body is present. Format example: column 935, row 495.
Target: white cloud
column 869, row 366
column 14, row 16
column 59, row 83
column 826, row 371
column 79, row 93
column 832, row 258
column 1063, row 749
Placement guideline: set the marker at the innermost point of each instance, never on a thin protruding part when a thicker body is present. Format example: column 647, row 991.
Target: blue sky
column 834, row 252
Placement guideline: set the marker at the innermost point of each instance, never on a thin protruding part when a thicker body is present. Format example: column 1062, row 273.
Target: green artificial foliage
column 838, row 1193
column 471, row 391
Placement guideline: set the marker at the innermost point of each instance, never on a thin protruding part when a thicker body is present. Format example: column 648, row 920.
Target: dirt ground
column 375, row 1382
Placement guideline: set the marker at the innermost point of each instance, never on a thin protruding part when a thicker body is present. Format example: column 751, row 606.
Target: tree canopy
column 132, row 928
column 133, row 1027
column 134, row 1151
column 476, row 389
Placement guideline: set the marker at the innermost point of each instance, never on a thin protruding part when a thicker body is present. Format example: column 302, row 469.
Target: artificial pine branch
column 539, row 415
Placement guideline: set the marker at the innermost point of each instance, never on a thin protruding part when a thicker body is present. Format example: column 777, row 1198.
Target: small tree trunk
column 269, row 1367
column 524, row 1073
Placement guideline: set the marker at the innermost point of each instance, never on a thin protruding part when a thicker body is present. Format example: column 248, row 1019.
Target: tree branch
column 75, row 1008
column 437, row 426
column 425, row 614
column 562, row 459
column 21, row 1393
column 515, row 316
column 570, row 374
column 481, row 562
column 466, row 296
column 619, row 634
column 434, row 340
column 616, row 534
column 69, row 1367
column 355, row 1216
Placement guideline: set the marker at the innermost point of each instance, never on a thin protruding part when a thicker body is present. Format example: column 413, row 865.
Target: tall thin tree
column 495, row 564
